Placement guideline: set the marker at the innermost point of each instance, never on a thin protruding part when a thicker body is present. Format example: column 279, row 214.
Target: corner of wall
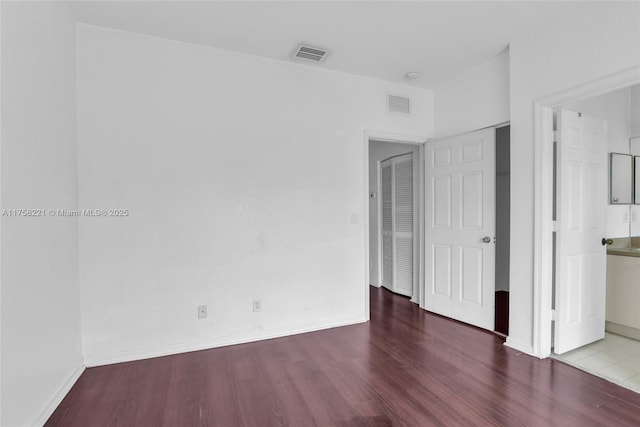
column 60, row 394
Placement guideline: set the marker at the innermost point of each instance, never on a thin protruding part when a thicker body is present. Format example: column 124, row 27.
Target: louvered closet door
column 387, row 223
column 403, row 224
column 397, row 224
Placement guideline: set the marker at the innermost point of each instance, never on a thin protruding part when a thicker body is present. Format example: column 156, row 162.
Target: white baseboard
column 169, row 349
column 55, row 400
column 522, row 347
column 624, row 330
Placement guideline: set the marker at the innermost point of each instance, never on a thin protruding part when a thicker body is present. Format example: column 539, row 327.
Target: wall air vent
column 311, row 54
column 398, row 104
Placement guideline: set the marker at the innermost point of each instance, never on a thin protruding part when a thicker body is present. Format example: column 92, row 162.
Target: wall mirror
column 620, row 179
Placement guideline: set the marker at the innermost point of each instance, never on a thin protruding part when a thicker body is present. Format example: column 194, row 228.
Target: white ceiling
column 378, row 39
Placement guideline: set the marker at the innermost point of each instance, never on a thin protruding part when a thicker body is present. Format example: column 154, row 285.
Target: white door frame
column 397, row 138
column 543, row 197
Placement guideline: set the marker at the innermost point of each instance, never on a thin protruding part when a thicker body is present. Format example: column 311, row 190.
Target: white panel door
column 460, row 228
column 397, row 224
column 581, row 200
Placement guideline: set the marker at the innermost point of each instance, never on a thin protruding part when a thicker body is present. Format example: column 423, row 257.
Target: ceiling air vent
column 309, row 53
column 398, row 104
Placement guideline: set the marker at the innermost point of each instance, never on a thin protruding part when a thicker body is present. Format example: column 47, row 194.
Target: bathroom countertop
column 624, row 252
column 625, row 246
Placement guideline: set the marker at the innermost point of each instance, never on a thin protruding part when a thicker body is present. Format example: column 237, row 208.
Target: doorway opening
column 544, row 225
column 595, row 284
column 464, row 174
column 394, row 177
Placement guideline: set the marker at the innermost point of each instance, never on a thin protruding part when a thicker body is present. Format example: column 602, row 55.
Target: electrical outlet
column 257, row 305
column 202, row 312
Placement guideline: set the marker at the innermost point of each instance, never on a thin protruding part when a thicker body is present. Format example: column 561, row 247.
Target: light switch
column 355, row 218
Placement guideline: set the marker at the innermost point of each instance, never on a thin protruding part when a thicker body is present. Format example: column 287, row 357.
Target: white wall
column 378, row 151
column 614, row 108
column 241, row 175
column 41, row 349
column 601, row 40
column 474, row 99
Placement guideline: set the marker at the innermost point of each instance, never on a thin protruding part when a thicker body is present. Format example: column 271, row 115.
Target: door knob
column 606, row 241
column 487, row 239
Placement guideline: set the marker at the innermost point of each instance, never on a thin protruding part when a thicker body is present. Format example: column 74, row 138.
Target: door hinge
column 556, row 136
column 553, row 315
column 554, row 226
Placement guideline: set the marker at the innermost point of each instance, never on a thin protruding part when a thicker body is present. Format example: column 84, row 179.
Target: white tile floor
column 614, row 358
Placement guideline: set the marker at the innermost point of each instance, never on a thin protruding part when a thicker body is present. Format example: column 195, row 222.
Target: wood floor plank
column 406, row 367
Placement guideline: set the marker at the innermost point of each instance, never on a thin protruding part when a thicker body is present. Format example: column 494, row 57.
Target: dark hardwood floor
column 406, row 367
